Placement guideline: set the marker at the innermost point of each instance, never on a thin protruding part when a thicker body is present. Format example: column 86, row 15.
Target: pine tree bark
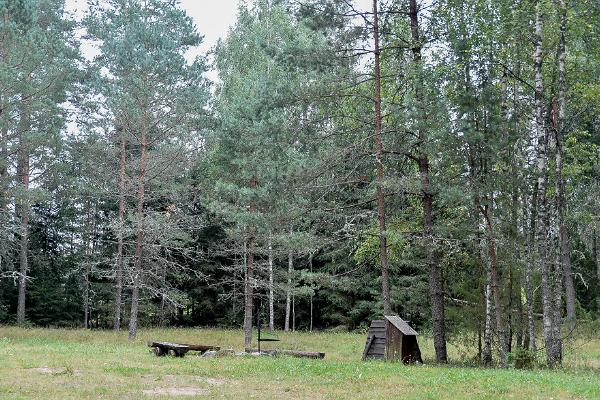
column 139, row 241
column 120, row 227
column 383, row 253
column 434, row 272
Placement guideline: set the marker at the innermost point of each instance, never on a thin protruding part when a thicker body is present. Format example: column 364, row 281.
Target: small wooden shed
column 392, row 339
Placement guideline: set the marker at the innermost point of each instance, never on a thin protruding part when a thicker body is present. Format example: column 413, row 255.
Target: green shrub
column 522, row 358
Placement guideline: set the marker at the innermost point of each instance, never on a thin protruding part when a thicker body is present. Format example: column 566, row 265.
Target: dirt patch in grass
column 49, row 371
column 215, row 381
column 175, row 392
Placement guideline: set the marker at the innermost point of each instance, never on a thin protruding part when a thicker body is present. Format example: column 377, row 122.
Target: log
column 292, row 353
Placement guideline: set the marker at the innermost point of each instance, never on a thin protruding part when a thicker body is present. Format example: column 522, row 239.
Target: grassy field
column 75, row 364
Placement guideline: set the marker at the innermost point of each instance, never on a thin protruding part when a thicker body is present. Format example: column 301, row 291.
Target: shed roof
column 401, row 325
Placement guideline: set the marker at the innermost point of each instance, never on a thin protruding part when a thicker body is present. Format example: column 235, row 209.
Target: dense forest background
column 439, row 160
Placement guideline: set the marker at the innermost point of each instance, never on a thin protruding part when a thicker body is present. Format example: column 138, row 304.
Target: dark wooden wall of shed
column 393, row 349
column 390, row 343
column 378, row 347
column 410, row 350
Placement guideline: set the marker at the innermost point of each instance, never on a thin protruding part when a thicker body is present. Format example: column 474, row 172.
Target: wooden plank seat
column 178, row 349
column 164, row 348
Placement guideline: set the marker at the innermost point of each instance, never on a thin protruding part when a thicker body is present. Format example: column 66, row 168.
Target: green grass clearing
column 77, row 364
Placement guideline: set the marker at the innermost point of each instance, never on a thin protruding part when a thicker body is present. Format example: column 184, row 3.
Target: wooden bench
column 178, row 349
column 164, row 348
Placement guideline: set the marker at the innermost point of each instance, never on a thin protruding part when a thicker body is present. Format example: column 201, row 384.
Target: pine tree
column 38, row 55
column 157, row 100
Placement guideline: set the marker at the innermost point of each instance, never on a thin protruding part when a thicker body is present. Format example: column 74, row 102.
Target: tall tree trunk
column 434, row 271
column 522, row 338
column 558, row 305
column 293, row 312
column 509, row 318
column 512, row 234
column 310, row 265
column 520, row 334
column 486, row 353
column 86, row 298
column 162, row 317
column 24, row 210
column 564, row 242
column 248, row 290
column 4, row 187
column 595, row 252
column 120, row 227
column 383, row 255
column 542, row 202
column 249, row 281
column 271, row 298
column 516, row 273
column 529, row 271
column 139, row 241
column 4, row 121
column 288, row 294
column 86, row 276
column 499, row 307
column 485, row 348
